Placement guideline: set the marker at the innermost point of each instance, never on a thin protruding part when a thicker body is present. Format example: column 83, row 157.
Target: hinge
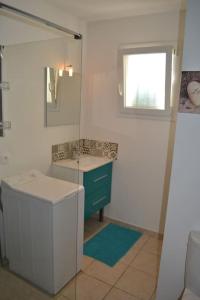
column 4, row 85
column 5, row 125
column 4, row 262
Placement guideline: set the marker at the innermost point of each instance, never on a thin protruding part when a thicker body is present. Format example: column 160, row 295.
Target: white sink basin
column 85, row 163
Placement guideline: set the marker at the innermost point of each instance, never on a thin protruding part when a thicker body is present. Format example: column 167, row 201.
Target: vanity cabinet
column 97, row 184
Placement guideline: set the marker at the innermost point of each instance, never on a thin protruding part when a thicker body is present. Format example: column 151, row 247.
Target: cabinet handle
column 98, row 201
column 100, row 178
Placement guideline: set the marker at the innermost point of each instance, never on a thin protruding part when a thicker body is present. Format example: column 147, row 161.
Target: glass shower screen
column 40, row 117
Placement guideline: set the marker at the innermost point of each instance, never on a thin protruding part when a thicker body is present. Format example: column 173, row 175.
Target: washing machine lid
column 36, row 184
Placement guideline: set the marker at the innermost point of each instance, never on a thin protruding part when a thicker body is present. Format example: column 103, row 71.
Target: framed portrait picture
column 190, row 92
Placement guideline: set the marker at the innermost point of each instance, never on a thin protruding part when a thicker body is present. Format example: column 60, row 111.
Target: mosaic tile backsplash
column 84, row 146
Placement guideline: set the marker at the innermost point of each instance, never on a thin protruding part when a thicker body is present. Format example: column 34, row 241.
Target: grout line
column 145, row 272
column 104, row 281
column 98, row 230
column 108, row 293
column 121, row 275
column 93, row 260
column 114, row 285
column 138, row 252
column 127, row 265
column 127, row 293
column 111, row 285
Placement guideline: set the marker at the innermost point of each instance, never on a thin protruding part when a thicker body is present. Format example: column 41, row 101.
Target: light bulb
column 60, row 72
column 70, row 72
column 1, row 51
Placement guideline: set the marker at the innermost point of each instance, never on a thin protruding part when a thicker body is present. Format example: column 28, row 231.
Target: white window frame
column 168, row 81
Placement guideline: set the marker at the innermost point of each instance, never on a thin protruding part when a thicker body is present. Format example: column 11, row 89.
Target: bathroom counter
column 85, row 163
column 94, row 173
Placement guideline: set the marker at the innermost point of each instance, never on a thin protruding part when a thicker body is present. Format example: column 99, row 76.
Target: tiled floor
column 134, row 277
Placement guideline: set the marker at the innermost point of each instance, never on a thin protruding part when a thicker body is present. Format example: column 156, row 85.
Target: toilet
column 192, row 270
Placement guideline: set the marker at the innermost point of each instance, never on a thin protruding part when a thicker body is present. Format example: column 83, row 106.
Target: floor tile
column 116, row 294
column 86, row 262
column 13, row 287
column 105, row 273
column 137, row 283
column 147, row 262
column 87, row 288
column 92, row 226
column 140, row 243
column 12, row 292
column 153, row 246
column 131, row 254
column 96, row 280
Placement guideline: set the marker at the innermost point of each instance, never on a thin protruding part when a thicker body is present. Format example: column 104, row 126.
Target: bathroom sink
column 84, row 163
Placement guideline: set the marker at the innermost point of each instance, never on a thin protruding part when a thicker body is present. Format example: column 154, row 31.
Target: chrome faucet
column 75, row 152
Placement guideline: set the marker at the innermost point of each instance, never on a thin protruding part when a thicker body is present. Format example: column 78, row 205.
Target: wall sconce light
column 60, row 72
column 1, row 51
column 68, row 69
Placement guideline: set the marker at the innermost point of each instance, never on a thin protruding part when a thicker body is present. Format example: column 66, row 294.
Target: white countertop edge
column 65, row 163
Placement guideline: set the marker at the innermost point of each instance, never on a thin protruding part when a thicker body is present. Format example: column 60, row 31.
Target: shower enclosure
column 40, row 95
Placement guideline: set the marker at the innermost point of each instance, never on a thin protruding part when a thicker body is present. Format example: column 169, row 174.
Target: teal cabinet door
column 97, row 184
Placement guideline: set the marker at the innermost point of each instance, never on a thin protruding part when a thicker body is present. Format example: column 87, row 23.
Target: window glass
column 144, row 80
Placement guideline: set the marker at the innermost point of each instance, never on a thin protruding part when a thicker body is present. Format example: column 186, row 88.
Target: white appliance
column 43, row 224
column 192, row 269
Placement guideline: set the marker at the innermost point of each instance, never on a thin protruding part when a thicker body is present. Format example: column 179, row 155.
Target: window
column 146, row 80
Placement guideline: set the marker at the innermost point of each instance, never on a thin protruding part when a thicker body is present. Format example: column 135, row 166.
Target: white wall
column 139, row 172
column 192, row 41
column 28, row 143
column 183, row 214
column 44, row 10
column 26, row 31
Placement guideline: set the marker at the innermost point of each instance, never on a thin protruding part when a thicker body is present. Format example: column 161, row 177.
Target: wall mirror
column 30, row 47
column 62, row 96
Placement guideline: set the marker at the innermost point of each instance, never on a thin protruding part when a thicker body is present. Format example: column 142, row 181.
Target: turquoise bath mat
column 111, row 244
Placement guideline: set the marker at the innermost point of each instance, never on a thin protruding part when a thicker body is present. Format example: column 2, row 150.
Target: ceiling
column 92, row 10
